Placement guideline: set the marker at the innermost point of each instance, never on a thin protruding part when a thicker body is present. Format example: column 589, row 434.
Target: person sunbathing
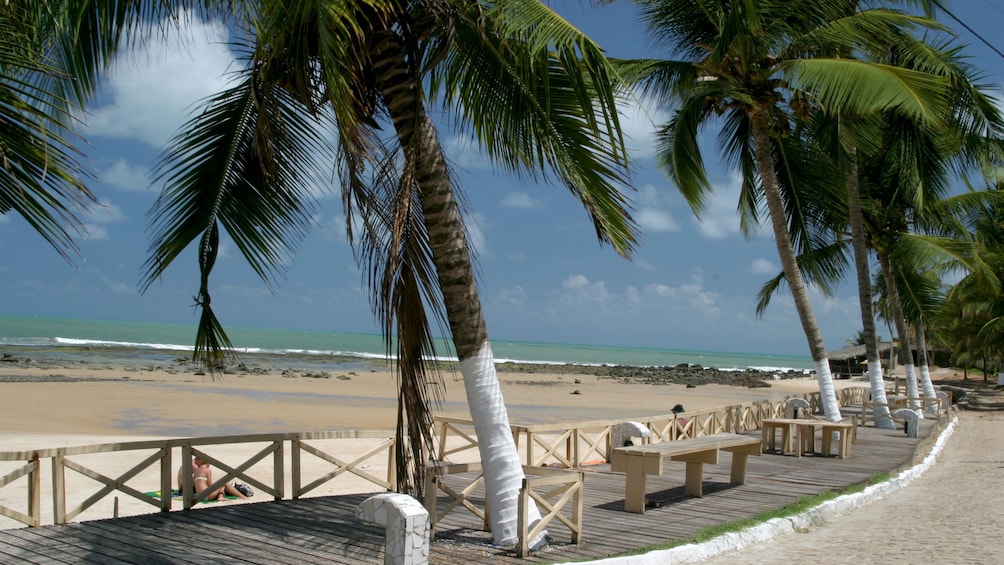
column 202, row 477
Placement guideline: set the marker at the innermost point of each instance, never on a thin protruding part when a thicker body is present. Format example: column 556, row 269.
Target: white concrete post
column 622, row 432
column 912, row 418
column 407, row 527
column 792, row 405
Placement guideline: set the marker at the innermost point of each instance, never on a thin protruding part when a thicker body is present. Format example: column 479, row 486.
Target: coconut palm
column 907, row 179
column 755, row 62
column 974, row 315
column 536, row 93
column 46, row 76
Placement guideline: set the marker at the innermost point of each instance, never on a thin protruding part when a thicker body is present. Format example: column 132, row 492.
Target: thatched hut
column 852, row 361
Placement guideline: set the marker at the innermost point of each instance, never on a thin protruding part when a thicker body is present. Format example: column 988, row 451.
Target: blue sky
column 691, row 284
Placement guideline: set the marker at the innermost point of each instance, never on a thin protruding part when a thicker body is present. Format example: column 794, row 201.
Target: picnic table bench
column 798, row 435
column 640, row 460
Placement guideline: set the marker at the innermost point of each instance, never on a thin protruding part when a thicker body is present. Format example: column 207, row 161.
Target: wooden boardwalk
column 324, row 529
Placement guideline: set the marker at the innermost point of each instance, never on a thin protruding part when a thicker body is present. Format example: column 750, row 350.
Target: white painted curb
column 695, row 553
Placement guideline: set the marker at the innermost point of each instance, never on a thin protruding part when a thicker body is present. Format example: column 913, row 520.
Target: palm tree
column 907, row 176
column 973, row 318
column 536, row 93
column 48, row 67
column 753, row 63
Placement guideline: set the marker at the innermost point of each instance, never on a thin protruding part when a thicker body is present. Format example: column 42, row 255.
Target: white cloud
column 653, row 300
column 464, row 152
column 693, row 297
column 117, row 287
column 575, row 282
column 639, row 119
column 643, row 264
column 763, row 267
column 656, row 221
column 522, row 200
column 122, row 174
column 94, row 232
column 104, row 213
column 476, row 238
column 653, row 212
column 514, row 298
column 720, row 218
column 153, row 88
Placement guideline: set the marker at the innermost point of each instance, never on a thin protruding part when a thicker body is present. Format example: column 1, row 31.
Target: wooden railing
column 550, row 489
column 577, row 444
column 158, row 468
column 571, row 445
column 936, row 406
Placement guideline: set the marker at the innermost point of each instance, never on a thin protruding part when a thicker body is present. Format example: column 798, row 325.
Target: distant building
column 852, row 361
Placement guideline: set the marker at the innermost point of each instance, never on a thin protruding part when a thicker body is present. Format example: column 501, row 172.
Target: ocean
column 153, row 343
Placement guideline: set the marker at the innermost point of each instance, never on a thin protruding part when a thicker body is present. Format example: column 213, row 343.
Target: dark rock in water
column 684, row 373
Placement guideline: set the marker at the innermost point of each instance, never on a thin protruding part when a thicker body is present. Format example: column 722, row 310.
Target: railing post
column 278, row 468
column 522, row 521
column 187, row 481
column 58, row 489
column 165, row 478
column 35, row 491
column 294, row 467
column 571, row 443
column 392, row 464
column 442, row 441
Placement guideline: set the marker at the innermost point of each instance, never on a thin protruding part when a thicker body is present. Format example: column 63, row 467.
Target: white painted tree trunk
column 875, row 378
column 500, row 460
column 827, row 392
column 927, row 386
column 912, row 390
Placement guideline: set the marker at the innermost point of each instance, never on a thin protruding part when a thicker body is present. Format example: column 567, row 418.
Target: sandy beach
column 82, row 405
column 90, row 400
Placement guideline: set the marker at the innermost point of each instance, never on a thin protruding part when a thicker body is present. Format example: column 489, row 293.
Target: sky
column 691, row 284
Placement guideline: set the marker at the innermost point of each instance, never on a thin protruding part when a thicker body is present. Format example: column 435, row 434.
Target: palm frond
column 822, row 267
column 393, row 247
column 859, row 87
column 247, row 161
column 679, row 154
column 533, row 108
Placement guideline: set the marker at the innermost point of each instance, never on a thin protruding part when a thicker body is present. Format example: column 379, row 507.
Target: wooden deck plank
column 87, row 542
column 14, row 549
column 324, row 529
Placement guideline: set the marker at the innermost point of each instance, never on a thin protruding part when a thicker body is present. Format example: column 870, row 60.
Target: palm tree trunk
column 905, row 351
column 789, row 262
column 860, row 246
column 925, row 371
column 503, row 471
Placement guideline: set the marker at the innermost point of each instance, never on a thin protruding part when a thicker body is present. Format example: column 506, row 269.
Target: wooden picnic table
column 798, row 436
column 637, row 461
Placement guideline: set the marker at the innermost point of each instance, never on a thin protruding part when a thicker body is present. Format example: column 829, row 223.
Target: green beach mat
column 176, row 495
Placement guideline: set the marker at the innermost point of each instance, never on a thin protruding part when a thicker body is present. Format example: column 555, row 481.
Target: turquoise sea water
column 146, row 342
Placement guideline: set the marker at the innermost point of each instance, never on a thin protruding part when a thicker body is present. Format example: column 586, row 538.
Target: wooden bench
column 640, row 460
column 799, row 435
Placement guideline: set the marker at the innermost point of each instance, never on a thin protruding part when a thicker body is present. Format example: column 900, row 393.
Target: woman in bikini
column 202, row 477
